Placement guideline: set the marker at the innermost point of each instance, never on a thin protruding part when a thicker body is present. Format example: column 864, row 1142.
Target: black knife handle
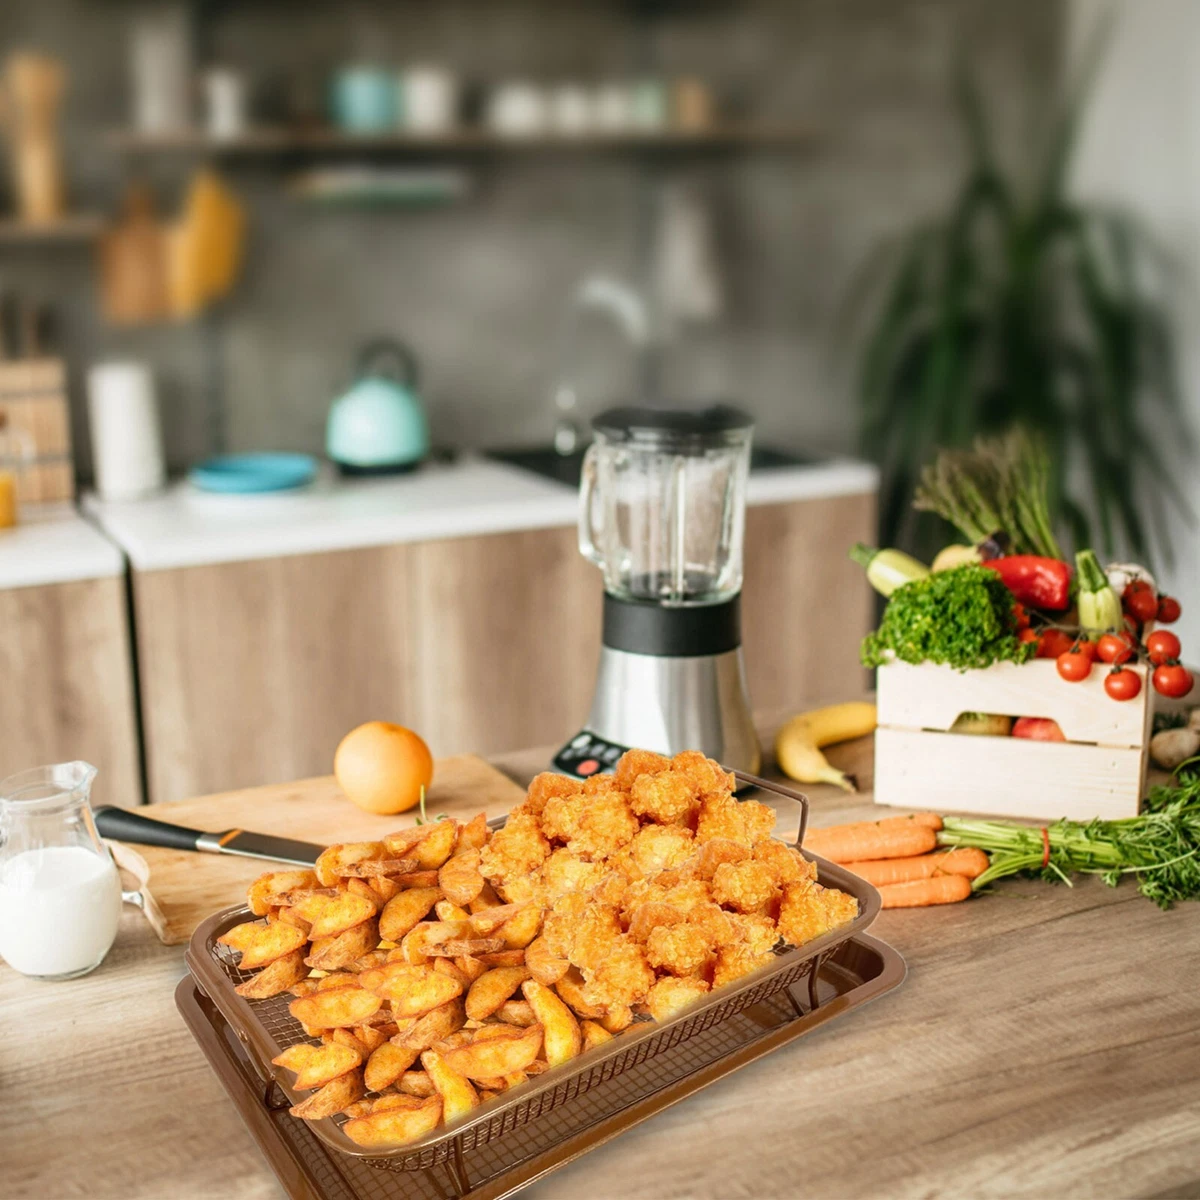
column 125, row 826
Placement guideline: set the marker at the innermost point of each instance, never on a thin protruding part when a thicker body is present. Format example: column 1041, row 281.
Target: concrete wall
column 478, row 288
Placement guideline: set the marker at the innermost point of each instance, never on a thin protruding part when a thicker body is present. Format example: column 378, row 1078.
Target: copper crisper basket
column 266, row 1028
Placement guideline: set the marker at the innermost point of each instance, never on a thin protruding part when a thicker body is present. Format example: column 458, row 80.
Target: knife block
column 33, row 395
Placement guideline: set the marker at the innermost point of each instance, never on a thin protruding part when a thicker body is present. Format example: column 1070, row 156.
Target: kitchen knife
column 125, row 826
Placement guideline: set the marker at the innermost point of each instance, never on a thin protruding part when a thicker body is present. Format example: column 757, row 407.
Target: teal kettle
column 378, row 425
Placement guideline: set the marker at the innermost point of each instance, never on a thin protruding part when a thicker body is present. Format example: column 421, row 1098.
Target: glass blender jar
column 662, row 513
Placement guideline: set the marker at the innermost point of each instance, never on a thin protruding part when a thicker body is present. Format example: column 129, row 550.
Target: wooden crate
column 33, row 394
column 1100, row 771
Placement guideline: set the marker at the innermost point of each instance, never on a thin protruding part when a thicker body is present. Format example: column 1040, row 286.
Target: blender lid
column 673, row 429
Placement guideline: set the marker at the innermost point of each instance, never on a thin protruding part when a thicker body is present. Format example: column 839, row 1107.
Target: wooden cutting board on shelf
column 181, row 888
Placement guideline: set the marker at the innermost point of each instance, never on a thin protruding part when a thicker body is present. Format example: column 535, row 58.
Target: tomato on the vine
column 1114, row 648
column 1168, row 609
column 1053, row 642
column 1075, row 665
column 1028, row 635
column 1161, row 645
column 1140, row 600
column 1021, row 616
column 1172, row 679
column 1122, row 684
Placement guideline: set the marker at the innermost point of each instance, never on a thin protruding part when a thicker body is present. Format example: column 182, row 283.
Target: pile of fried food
column 446, row 963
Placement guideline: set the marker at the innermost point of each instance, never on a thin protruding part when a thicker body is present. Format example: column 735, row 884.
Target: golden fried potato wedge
column 261, row 944
column 475, row 947
column 448, row 966
column 433, row 850
column 618, row 1018
column 400, row 844
column 346, row 1037
column 412, row 990
column 458, row 1096
column 332, row 863
column 470, row 966
column 447, row 910
column 336, row 979
column 570, row 988
column 460, row 1037
column 561, row 1034
column 372, row 958
column 543, row 966
column 315, row 1066
column 416, row 1083
column 594, row 1034
column 335, row 1008
column 332, row 954
column 331, row 915
column 375, row 868
column 373, row 1036
column 502, row 958
column 385, row 887
column 274, row 978
column 404, row 910
column 488, row 920
column 516, row 1012
column 473, row 835
column 417, row 879
column 486, row 899
column 304, row 987
column 507, row 1051
column 386, row 1064
column 271, row 890
column 395, row 1126
column 491, row 990
column 336, row 1095
column 432, row 1027
column 459, row 877
column 520, row 930
column 290, row 917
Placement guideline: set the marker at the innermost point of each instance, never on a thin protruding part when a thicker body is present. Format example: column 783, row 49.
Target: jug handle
column 381, row 351
column 587, row 496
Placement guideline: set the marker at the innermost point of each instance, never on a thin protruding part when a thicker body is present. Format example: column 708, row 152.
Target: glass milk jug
column 60, row 893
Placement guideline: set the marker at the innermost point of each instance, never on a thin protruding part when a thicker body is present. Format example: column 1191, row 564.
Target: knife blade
column 124, row 825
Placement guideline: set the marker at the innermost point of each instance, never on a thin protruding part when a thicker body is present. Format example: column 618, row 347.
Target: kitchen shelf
column 79, row 227
column 268, row 141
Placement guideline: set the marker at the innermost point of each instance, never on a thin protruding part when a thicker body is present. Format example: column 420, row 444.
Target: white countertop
column 184, row 527
column 52, row 543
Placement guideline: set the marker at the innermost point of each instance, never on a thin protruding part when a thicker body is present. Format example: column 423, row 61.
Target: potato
column 345, row 1037
column 413, row 990
column 276, row 977
column 336, row 1095
column 371, row 868
column 520, row 930
column 509, row 1050
column 619, row 1017
column 516, row 1012
column 470, row 966
column 386, row 1064
column 336, row 979
column 401, row 843
column 404, row 910
column 331, row 954
column 593, row 1034
column 491, row 990
column 385, row 887
column 459, row 877
column 432, row 1027
column 395, row 1126
column 447, row 910
column 335, row 1008
column 304, row 987
column 373, row 1036
column 332, row 863
column 290, row 917
column 446, row 966
column 433, row 850
column 331, row 915
column 461, row 1037
column 417, row 879
column 272, row 889
column 372, row 958
column 486, row 899
column 473, row 835
column 315, row 1066
column 488, row 920
column 416, row 1083
column 262, row 944
column 561, row 1034
column 543, row 966
column 458, row 1096
column 570, row 988
column 502, row 958
column 459, row 946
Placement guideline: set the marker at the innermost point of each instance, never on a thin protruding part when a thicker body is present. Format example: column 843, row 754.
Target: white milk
column 59, row 909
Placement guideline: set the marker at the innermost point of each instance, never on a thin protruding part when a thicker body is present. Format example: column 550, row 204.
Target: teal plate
column 246, row 473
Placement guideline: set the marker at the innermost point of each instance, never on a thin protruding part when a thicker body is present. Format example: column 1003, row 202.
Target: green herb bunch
column 962, row 617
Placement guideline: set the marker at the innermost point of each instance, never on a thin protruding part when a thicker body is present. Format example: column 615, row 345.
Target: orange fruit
column 382, row 767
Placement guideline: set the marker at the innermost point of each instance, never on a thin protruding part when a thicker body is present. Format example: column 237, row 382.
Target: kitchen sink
column 567, row 468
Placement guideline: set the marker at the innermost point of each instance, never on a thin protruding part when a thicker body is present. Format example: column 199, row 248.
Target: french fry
column 416, row 1083
column 560, row 1029
column 335, row 1008
column 473, row 835
column 395, row 1126
column 271, row 890
column 386, row 1064
column 274, row 978
column 262, row 944
column 516, row 1012
column 458, row 1096
column 491, row 990
column 336, row 1095
column 459, row 877
column 404, row 910
column 332, row 863
column 331, row 915
column 315, row 1066
column 432, row 1027
column 593, row 1035
column 543, row 966
column 509, row 1050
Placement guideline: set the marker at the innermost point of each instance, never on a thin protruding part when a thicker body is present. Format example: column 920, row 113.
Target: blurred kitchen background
column 554, row 207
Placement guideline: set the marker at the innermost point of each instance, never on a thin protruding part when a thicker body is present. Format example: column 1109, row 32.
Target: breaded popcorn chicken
column 670, row 996
column 738, row 959
column 787, row 864
column 670, row 797
column 758, row 820
column 621, row 977
column 592, row 826
column 704, row 863
column 648, row 916
column 705, row 774
column 745, row 887
column 681, row 949
column 637, row 762
column 659, row 847
column 566, row 872
column 514, row 851
column 754, row 930
column 546, row 786
column 721, row 816
column 810, row 910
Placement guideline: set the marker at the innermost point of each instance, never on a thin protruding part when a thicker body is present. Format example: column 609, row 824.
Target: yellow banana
column 798, row 744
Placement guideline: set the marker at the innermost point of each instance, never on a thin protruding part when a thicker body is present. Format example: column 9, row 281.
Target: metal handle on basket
column 780, row 790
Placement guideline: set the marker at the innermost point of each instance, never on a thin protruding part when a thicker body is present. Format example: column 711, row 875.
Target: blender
column 662, row 511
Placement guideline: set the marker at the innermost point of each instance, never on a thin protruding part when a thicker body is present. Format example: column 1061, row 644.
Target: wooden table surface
column 1046, row 1042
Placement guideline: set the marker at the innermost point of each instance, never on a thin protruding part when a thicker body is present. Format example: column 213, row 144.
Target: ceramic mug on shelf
column 364, row 100
column 430, row 99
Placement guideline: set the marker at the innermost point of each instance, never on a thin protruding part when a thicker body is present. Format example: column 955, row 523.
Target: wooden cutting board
column 181, row 888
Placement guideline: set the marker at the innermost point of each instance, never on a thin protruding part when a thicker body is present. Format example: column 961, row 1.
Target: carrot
column 920, row 893
column 866, row 840
column 930, row 820
column 965, row 860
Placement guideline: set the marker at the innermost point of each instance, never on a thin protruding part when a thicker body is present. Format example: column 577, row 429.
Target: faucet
column 628, row 311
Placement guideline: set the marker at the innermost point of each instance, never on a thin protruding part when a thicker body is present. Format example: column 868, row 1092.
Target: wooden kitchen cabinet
column 66, row 683
column 252, row 671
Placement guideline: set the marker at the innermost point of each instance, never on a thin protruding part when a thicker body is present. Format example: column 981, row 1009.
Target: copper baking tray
column 266, row 1028
column 856, row 971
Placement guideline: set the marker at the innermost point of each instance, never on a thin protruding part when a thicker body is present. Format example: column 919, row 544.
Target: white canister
column 570, row 110
column 517, row 109
column 127, row 451
column 224, row 102
column 430, row 100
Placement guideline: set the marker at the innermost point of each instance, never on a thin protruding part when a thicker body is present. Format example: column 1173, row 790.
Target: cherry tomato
column 1140, row 601
column 1114, row 648
column 1022, row 616
column 1122, row 683
column 1161, row 645
column 1172, row 679
column 1053, row 642
column 1168, row 609
column 1027, row 635
column 1086, row 648
column 1075, row 666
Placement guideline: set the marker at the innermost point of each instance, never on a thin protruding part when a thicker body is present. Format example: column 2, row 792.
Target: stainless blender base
column 670, row 704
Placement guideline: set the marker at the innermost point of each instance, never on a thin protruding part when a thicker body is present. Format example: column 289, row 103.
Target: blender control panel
column 587, row 754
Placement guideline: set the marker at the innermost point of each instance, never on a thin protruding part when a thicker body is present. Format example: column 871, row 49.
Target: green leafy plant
column 1024, row 307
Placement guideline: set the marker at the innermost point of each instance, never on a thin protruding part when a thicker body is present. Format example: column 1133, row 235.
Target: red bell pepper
column 1035, row 582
